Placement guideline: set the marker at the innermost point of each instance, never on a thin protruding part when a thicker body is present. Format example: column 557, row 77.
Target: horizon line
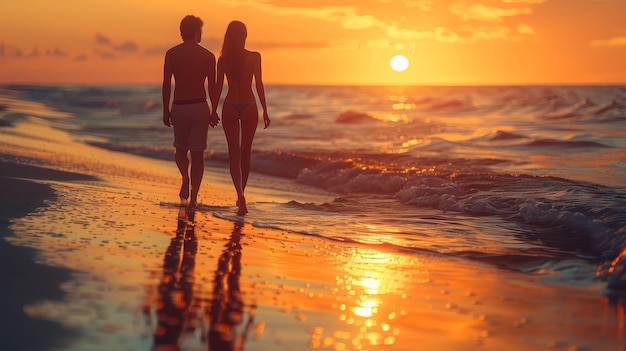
column 333, row 84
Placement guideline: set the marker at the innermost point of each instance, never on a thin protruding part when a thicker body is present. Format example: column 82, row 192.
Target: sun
column 399, row 63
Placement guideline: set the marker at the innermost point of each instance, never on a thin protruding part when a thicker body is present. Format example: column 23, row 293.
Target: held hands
column 214, row 119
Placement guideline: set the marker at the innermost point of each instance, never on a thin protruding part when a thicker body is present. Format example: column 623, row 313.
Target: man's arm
column 211, row 82
column 166, row 91
column 215, row 90
column 214, row 95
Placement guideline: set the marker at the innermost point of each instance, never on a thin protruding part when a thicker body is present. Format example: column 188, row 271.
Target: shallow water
column 526, row 178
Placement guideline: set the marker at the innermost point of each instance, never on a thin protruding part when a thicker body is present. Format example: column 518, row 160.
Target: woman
column 240, row 114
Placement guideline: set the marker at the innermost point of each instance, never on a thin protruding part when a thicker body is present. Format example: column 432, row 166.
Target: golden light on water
column 366, row 309
column 369, row 298
column 370, row 284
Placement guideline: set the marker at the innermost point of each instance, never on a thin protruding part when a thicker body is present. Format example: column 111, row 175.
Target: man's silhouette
column 192, row 66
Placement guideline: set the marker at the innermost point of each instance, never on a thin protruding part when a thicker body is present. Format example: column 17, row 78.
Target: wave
column 501, row 135
column 572, row 220
column 576, row 219
column 580, row 218
column 354, row 117
column 558, row 228
column 451, row 105
column 566, row 144
column 577, row 109
column 583, row 218
column 586, row 109
column 298, row 116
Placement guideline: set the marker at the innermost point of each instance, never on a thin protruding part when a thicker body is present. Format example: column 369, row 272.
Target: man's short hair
column 189, row 26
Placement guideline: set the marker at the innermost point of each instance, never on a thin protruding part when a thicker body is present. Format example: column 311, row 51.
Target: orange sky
column 324, row 41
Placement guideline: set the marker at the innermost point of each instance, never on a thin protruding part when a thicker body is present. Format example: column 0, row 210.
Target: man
column 191, row 65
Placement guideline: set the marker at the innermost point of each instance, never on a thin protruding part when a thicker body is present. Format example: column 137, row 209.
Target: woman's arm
column 260, row 89
column 219, row 85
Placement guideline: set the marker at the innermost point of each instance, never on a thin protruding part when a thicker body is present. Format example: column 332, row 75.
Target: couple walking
column 193, row 66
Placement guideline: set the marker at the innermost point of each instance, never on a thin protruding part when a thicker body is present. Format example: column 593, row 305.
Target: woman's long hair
column 233, row 49
column 234, row 39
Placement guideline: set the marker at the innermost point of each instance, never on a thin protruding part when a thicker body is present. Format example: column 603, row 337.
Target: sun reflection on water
column 369, row 299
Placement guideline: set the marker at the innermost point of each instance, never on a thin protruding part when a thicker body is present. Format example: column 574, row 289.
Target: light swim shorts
column 191, row 125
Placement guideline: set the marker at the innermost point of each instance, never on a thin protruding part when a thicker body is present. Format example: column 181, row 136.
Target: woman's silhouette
column 240, row 114
column 227, row 306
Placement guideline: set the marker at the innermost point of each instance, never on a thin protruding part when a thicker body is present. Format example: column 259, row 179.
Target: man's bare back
column 191, row 65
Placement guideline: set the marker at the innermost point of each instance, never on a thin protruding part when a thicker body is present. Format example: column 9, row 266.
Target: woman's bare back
column 239, row 76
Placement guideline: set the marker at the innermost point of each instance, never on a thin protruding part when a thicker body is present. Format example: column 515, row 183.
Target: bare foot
column 184, row 190
column 241, row 202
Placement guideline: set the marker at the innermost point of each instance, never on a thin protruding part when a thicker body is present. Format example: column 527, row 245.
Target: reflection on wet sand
column 369, row 298
column 227, row 306
column 181, row 308
column 175, row 292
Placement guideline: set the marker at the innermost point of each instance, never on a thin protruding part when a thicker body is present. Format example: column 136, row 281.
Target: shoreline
column 25, row 281
column 366, row 296
column 134, row 267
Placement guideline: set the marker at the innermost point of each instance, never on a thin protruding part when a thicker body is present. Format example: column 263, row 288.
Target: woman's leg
column 249, row 122
column 230, row 122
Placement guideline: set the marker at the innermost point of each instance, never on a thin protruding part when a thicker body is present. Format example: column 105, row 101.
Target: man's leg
column 197, row 171
column 182, row 161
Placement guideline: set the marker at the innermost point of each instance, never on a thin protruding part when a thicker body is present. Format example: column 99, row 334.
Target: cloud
column 104, row 48
column 211, row 43
column 156, row 50
column 524, row 1
column 102, row 40
column 346, row 15
column 466, row 34
column 127, row 46
column 33, row 53
column 488, row 33
column 105, row 54
column 56, row 52
column 349, row 18
column 273, row 45
column 10, row 51
column 617, row 41
column 525, row 29
column 14, row 52
column 480, row 12
column 424, row 5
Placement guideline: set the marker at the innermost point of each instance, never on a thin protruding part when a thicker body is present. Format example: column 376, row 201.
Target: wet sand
column 23, row 280
column 110, row 261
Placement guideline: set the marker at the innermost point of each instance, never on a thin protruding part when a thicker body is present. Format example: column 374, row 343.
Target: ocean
column 525, row 178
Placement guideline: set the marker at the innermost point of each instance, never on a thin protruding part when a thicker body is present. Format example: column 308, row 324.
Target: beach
column 298, row 293
column 97, row 254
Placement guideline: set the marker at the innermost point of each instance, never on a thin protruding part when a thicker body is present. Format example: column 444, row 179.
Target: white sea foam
column 433, row 174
